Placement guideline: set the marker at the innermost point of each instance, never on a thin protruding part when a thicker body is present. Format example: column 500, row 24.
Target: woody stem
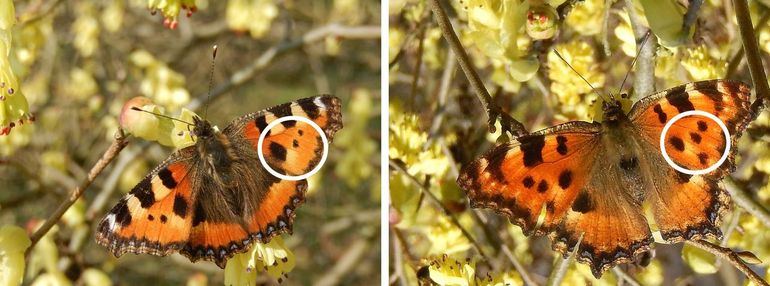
column 493, row 111
column 752, row 55
column 117, row 145
column 732, row 257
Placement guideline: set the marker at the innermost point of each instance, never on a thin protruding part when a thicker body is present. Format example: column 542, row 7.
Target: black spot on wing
column 163, row 219
column 166, row 178
column 143, row 192
column 495, row 160
column 122, row 214
column 703, row 158
column 261, row 124
column 565, row 179
column 528, row 182
column 542, row 186
column 532, row 149
column 695, row 137
column 310, row 108
column 199, row 215
column 562, row 145
column 583, row 203
column 677, row 143
column 295, row 143
column 281, row 110
column 180, row 206
column 702, row 126
column 662, row 117
column 278, row 151
column 679, row 99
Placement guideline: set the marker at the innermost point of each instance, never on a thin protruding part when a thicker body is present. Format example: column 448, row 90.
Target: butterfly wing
column 693, row 142
column 155, row 217
column 256, row 206
column 541, row 172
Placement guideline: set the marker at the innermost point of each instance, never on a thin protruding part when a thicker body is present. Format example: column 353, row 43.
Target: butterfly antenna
column 641, row 45
column 211, row 79
column 160, row 115
column 576, row 72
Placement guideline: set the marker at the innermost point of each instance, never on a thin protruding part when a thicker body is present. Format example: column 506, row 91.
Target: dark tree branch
column 753, row 57
column 507, row 122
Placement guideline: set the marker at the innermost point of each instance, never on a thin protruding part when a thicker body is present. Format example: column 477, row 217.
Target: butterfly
column 212, row 200
column 595, row 179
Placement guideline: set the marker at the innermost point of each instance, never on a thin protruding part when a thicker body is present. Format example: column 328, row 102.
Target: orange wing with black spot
column 695, row 143
column 155, row 217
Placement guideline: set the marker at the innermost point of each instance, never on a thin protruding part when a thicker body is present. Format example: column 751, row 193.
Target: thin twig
column 737, row 59
column 752, row 56
column 623, row 275
column 518, row 266
column 644, row 76
column 508, row 124
column 560, row 269
column 242, row 76
column 435, row 200
column 732, row 257
column 117, row 145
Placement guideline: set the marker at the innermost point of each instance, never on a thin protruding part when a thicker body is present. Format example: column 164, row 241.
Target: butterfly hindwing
column 155, row 217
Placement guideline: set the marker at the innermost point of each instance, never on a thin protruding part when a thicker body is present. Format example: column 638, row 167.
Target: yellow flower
column 14, row 109
column 273, row 258
column 701, row 65
column 573, row 93
column 151, row 127
column 496, row 28
column 161, row 83
column 13, row 242
column 171, row 8
column 86, row 29
column 587, row 17
column 256, row 16
column 450, row 271
column 445, row 237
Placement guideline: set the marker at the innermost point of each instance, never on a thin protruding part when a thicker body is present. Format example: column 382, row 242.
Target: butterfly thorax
column 613, row 111
column 214, row 150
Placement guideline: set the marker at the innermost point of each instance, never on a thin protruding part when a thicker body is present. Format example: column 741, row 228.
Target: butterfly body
column 212, row 200
column 592, row 180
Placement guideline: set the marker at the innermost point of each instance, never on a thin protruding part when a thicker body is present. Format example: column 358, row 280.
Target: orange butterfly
column 591, row 179
column 212, row 200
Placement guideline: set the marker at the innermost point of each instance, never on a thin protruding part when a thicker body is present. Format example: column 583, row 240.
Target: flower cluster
column 14, row 109
column 255, row 16
column 274, row 258
column 171, row 8
column 574, row 95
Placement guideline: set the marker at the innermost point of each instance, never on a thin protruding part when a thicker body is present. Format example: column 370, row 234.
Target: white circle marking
column 272, row 124
column 701, row 113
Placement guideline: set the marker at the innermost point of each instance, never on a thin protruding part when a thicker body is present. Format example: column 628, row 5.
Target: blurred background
column 437, row 125
column 71, row 65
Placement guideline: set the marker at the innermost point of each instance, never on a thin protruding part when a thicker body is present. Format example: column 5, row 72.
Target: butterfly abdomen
column 217, row 155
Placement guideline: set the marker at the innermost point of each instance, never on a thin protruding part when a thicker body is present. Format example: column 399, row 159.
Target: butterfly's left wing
column 256, row 205
column 694, row 142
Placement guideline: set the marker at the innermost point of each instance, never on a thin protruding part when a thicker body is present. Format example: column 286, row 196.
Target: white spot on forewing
column 318, row 102
column 110, row 219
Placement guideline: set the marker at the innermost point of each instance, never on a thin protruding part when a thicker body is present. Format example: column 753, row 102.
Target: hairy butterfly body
column 592, row 179
column 212, row 200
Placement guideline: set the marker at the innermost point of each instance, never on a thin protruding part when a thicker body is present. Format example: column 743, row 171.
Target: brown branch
column 507, row 122
column 736, row 60
column 753, row 57
column 743, row 199
column 242, row 76
column 732, row 257
column 117, row 145
column 644, row 76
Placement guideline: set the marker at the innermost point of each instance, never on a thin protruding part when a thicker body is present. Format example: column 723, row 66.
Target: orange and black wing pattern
column 156, row 216
column 256, row 206
column 695, row 143
column 540, row 173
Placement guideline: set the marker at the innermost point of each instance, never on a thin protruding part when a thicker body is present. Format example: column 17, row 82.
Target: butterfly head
column 202, row 128
column 612, row 110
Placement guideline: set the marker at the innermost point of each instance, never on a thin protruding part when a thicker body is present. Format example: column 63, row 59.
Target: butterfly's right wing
column 551, row 173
